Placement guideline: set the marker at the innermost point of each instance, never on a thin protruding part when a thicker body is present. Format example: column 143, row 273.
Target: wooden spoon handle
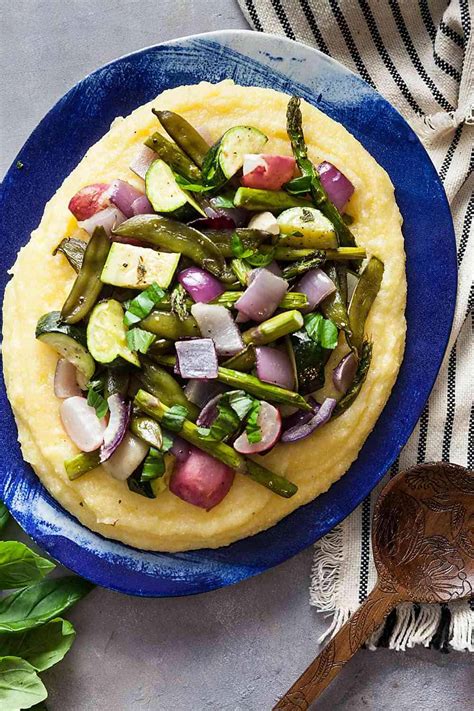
column 338, row 651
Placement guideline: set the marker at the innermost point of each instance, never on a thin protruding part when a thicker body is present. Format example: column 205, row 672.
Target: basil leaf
column 20, row 685
column 153, row 466
column 37, row 604
column 20, row 566
column 222, row 201
column 238, row 248
column 240, row 402
column 167, row 443
column 252, row 428
column 174, row 418
column 192, row 187
column 261, row 259
column 42, row 647
column 321, row 330
column 97, row 401
column 4, row 515
column 140, row 340
column 299, row 185
column 225, row 424
column 139, row 307
column 144, row 488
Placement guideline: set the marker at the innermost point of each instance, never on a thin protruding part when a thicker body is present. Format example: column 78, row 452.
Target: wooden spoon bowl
column 423, row 545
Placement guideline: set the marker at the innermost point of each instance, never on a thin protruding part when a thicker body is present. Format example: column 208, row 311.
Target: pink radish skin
column 201, row 480
column 266, row 172
column 269, row 420
column 89, row 200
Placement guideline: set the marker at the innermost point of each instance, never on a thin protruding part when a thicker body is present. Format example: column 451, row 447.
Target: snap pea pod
column 73, row 249
column 274, row 328
column 81, row 464
column 334, row 307
column 188, row 139
column 87, row 286
column 361, row 374
column 174, row 157
column 243, row 361
column 161, row 345
column 250, row 239
column 272, row 200
column 147, row 429
column 362, row 299
column 162, row 384
column 276, row 483
column 288, row 254
column 167, row 234
column 169, row 326
column 251, row 384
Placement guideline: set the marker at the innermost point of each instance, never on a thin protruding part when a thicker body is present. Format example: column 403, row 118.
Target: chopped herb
column 154, row 465
column 139, row 307
column 261, row 259
column 222, row 201
column 240, row 402
column 95, row 398
column 306, row 215
column 178, row 302
column 139, row 340
column 299, row 185
column 19, row 164
column 174, row 418
column 167, row 442
column 238, row 248
column 321, row 330
column 252, row 428
column 141, row 270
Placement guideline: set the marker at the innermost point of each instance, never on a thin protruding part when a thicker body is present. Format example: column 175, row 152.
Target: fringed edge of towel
column 443, row 627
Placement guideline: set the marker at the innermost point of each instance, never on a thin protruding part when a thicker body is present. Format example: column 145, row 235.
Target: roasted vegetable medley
column 206, row 306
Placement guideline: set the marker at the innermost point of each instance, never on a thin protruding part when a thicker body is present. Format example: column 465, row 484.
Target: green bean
column 73, row 249
column 362, row 299
column 273, row 200
column 167, row 325
column 87, row 286
column 161, row 384
column 276, row 483
column 274, row 328
column 185, row 135
column 174, row 157
column 147, row 429
column 81, row 464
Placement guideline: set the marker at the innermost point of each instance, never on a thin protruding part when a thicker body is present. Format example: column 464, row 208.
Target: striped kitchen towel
column 420, row 55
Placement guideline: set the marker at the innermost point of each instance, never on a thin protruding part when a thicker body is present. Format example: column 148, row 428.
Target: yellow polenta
column 41, row 282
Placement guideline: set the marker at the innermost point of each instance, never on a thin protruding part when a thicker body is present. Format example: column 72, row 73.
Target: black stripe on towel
column 451, row 406
column 412, row 53
column 377, row 39
column 365, row 551
column 282, row 16
column 431, row 29
column 424, row 423
column 470, row 440
column 451, row 34
column 308, row 13
column 349, row 40
column 466, row 229
column 443, row 171
column 253, row 15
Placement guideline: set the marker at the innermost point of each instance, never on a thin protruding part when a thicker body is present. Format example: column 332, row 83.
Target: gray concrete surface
column 231, row 650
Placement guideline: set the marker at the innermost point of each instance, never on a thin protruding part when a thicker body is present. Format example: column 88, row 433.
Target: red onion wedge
column 300, row 417
column 89, row 200
column 197, row 358
column 109, row 218
column 239, row 215
column 118, row 424
column 220, row 222
column 269, row 421
column 82, row 424
column 142, row 206
column 262, row 296
column 265, row 221
column 209, row 412
column 338, row 187
column 200, row 284
column 142, row 161
column 344, row 373
column 65, row 380
column 201, row 391
column 216, row 322
column 123, row 195
column 267, row 172
column 322, row 416
column 316, row 285
column 274, row 366
column 201, row 480
column 127, row 457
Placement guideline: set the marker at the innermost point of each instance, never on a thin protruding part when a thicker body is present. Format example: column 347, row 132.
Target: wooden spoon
column 423, row 545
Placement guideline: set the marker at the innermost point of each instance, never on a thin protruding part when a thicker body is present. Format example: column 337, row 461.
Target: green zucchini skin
column 68, row 340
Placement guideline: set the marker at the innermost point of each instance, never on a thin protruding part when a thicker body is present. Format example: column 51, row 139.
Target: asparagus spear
column 341, row 254
column 241, row 270
column 291, row 300
column 303, row 265
column 294, row 129
column 276, row 483
column 274, row 328
column 273, row 200
column 251, row 384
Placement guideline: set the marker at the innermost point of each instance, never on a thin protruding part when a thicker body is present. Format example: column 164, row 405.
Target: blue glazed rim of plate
column 250, row 59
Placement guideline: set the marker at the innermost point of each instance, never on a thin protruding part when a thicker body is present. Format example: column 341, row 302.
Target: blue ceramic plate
column 58, row 144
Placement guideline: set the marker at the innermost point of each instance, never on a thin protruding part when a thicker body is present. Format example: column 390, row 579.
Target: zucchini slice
column 163, row 191
column 67, row 340
column 226, row 157
column 306, row 227
column 133, row 267
column 107, row 335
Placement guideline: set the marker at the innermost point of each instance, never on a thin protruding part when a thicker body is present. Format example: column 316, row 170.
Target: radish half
column 269, row 421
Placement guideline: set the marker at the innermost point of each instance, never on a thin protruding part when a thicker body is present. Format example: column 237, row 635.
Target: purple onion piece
column 209, row 413
column 262, row 297
column 238, row 215
column 120, row 411
column 142, row 206
column 197, row 358
column 219, row 222
column 274, row 366
column 201, row 285
column 109, row 219
column 316, row 285
column 142, row 161
column 181, row 449
column 200, row 392
column 301, row 417
column 123, row 195
column 344, row 373
column 338, row 187
column 215, row 321
column 322, row 416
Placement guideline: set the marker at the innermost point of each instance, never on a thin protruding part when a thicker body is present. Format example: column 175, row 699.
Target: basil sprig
column 139, row 307
column 139, row 340
column 321, row 330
